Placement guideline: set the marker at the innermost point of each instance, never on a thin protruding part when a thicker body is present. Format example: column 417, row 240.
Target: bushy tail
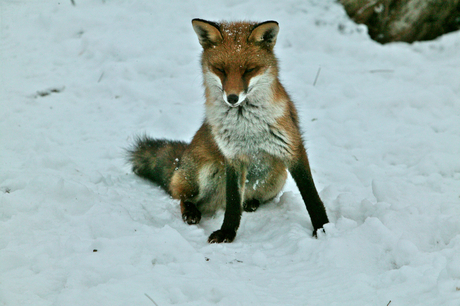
column 156, row 159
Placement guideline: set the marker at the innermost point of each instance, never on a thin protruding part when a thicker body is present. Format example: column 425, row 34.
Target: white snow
column 77, row 227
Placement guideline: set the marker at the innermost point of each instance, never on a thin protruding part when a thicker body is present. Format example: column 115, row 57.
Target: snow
column 77, row 227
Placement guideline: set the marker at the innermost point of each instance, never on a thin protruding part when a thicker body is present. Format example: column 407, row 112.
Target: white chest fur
column 250, row 128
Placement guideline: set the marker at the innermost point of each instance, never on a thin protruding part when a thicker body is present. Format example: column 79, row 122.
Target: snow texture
column 77, row 227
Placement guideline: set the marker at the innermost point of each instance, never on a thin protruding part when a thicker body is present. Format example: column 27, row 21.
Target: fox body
column 250, row 137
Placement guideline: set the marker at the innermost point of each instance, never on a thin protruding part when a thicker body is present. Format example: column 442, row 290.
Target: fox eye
column 249, row 70
column 221, row 70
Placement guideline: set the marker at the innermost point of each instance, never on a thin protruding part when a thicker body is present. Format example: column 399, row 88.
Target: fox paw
column 251, row 205
column 315, row 232
column 191, row 215
column 222, row 236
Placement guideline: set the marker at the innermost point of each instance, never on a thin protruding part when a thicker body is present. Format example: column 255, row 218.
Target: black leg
column 300, row 171
column 232, row 215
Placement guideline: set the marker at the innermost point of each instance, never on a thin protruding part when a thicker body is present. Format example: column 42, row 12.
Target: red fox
column 249, row 138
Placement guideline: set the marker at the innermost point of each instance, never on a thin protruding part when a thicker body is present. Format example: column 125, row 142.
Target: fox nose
column 232, row 98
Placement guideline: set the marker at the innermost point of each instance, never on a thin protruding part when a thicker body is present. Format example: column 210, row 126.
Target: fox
column 249, row 139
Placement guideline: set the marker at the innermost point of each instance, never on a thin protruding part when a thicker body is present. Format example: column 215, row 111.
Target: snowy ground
column 78, row 228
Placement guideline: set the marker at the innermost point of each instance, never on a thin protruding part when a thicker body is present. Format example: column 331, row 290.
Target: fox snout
column 234, row 100
column 234, row 85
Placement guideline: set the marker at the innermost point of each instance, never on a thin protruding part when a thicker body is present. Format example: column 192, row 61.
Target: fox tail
column 156, row 159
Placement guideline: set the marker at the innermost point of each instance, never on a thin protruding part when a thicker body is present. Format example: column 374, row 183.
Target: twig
column 389, row 303
column 100, row 78
column 317, row 76
column 381, row 71
column 47, row 92
column 154, row 301
column 365, row 7
column 73, row 2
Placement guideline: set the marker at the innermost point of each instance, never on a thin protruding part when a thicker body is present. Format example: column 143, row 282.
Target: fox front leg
column 301, row 173
column 234, row 195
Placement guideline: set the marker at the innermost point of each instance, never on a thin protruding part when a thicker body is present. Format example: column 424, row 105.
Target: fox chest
column 250, row 131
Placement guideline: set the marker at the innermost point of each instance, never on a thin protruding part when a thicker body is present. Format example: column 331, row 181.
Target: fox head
column 238, row 58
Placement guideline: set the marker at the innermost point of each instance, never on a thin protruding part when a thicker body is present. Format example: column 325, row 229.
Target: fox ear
column 207, row 31
column 265, row 34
